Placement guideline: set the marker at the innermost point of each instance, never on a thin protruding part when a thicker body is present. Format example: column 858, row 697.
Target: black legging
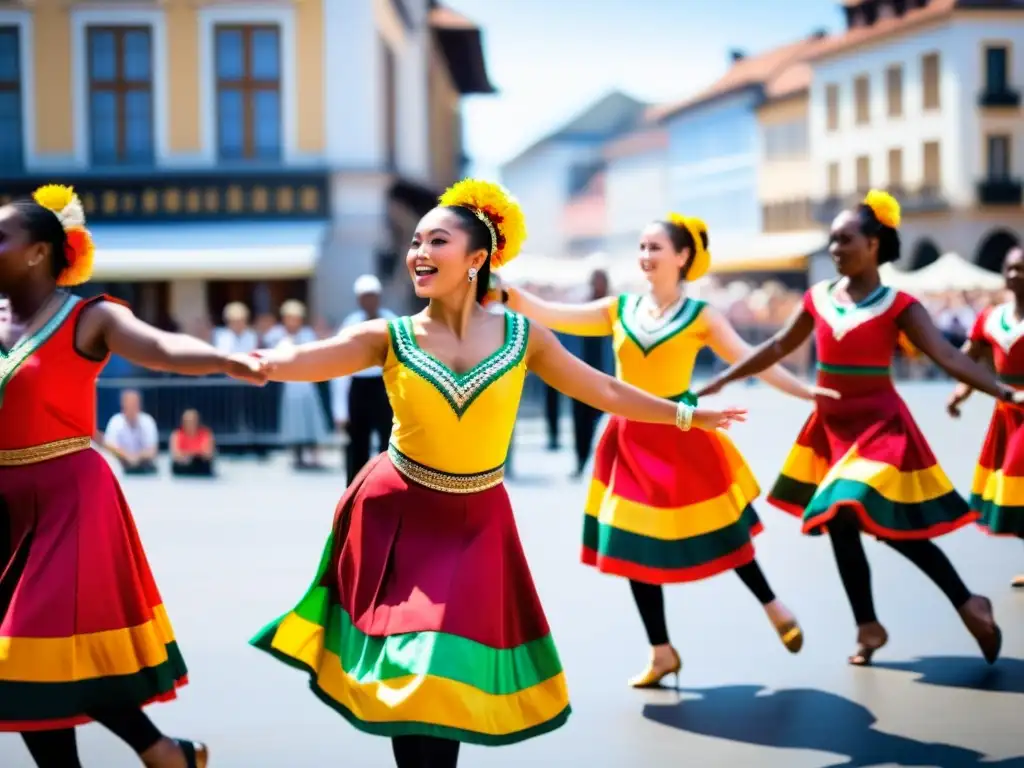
column 59, row 749
column 425, row 752
column 844, row 531
column 650, row 600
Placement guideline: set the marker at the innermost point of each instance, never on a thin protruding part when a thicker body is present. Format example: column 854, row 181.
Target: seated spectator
column 192, row 447
column 132, row 436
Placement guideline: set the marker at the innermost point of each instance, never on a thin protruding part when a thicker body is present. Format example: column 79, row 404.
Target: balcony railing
column 829, row 207
column 1005, row 97
column 926, row 199
column 288, row 195
column 1000, row 192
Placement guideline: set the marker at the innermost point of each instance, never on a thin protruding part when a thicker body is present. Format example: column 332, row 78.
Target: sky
column 550, row 59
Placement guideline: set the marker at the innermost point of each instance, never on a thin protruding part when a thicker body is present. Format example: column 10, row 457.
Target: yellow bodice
column 658, row 357
column 459, row 423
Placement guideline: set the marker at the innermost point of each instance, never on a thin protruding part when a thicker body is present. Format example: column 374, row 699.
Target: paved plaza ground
column 231, row 554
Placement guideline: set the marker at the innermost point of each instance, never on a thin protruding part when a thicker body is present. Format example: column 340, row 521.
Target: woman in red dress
column 861, row 463
column 83, row 631
column 997, row 493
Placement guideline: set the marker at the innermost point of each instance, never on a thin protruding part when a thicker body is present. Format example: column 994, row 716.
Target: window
column 896, row 169
column 833, row 179
column 11, row 150
column 248, row 61
column 862, row 99
column 996, row 65
column 894, row 90
column 930, row 81
column 999, row 157
column 120, row 95
column 786, row 140
column 832, row 107
column 863, row 174
column 932, row 166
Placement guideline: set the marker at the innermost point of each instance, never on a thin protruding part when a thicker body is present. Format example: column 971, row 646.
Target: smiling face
column 851, row 250
column 440, row 255
column 660, row 262
column 1013, row 270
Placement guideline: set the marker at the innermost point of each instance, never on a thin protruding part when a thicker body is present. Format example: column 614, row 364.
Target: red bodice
column 997, row 327
column 48, row 389
column 856, row 343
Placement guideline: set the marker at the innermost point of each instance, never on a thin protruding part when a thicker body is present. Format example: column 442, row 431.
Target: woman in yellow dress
column 665, row 506
column 423, row 623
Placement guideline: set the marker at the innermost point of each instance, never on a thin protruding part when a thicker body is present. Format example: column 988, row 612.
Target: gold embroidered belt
column 446, row 482
column 19, row 457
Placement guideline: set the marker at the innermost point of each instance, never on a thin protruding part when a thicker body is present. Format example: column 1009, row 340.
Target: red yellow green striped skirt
column 423, row 618
column 667, row 506
column 866, row 453
column 997, row 492
column 82, row 625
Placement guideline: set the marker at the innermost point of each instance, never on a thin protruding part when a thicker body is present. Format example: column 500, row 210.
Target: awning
column 775, row 252
column 950, row 272
column 225, row 251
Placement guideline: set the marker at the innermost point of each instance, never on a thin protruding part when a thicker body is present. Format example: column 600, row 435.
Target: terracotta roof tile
column 790, row 81
column 883, row 28
column 750, row 71
column 584, row 214
column 446, row 18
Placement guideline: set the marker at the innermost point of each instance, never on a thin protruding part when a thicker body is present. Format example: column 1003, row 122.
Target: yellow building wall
column 51, row 52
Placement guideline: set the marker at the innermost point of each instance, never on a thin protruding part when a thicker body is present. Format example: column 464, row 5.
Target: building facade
column 553, row 171
column 924, row 99
column 234, row 151
column 636, row 186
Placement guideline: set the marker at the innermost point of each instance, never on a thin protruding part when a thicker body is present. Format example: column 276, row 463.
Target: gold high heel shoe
column 652, row 676
column 791, row 635
column 1018, row 583
column 196, row 754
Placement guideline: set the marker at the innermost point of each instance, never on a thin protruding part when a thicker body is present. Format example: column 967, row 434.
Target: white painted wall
column 959, row 124
column 636, row 189
column 540, row 180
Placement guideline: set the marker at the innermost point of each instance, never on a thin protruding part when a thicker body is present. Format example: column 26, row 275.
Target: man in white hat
column 360, row 402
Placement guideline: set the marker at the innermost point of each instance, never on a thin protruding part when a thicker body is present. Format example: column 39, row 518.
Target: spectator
column 235, row 336
column 132, row 437
column 192, row 447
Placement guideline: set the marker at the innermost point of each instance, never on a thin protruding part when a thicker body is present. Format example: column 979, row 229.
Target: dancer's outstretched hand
column 247, row 368
column 816, row 391
column 723, row 419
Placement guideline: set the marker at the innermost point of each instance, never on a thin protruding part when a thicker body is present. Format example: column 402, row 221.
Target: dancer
column 84, row 635
column 665, row 506
column 1000, row 470
column 423, row 623
column 862, row 464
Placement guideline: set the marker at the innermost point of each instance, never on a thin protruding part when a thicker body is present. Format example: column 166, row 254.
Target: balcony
column 926, row 199
column 1000, row 192
column 287, row 195
column 828, row 208
column 1002, row 98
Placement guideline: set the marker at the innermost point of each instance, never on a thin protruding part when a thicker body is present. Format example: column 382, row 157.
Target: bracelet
column 684, row 416
column 1007, row 394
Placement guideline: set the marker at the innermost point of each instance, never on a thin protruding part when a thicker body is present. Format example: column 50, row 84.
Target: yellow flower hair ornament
column 79, row 249
column 497, row 209
column 885, row 208
column 701, row 261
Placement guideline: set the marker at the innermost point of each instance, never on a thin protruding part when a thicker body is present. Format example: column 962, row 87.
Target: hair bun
column 79, row 251
column 497, row 209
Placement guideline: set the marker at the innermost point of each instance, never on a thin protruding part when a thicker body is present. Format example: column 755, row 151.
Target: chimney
column 736, row 55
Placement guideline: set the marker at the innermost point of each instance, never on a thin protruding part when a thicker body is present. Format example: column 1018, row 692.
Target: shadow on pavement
column 807, row 719
column 1006, row 676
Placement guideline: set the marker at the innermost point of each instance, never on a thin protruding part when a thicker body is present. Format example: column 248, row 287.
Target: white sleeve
column 150, row 433
column 114, row 428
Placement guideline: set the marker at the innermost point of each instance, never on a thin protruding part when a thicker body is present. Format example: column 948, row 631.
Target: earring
column 472, row 274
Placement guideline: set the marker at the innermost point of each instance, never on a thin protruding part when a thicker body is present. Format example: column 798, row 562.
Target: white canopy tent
column 949, row 272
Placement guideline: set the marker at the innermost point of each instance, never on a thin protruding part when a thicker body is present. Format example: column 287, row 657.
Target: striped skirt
column 866, row 453
column 668, row 506
column 997, row 492
column 82, row 625
column 423, row 618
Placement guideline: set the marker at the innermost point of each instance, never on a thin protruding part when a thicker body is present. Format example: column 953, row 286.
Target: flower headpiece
column 885, row 208
column 497, row 209
column 701, row 261
column 79, row 249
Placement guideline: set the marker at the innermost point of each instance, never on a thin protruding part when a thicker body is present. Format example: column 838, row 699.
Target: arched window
column 993, row 249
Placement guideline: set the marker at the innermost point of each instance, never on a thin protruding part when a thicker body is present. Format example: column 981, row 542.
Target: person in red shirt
column 83, row 628
column 192, row 447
